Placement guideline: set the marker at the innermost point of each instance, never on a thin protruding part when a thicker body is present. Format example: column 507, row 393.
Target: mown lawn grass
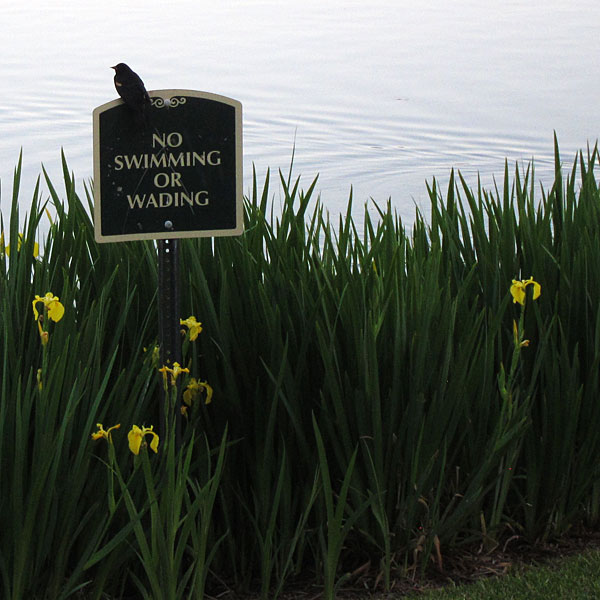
column 572, row 578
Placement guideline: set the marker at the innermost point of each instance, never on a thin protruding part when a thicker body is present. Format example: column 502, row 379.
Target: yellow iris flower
column 175, row 372
column 101, row 433
column 194, row 388
column 136, row 436
column 517, row 290
column 51, row 304
column 194, row 327
column 36, row 247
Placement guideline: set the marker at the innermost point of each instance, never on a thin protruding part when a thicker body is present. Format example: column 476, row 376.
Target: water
column 379, row 95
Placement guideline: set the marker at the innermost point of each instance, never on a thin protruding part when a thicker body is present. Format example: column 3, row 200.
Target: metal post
column 169, row 336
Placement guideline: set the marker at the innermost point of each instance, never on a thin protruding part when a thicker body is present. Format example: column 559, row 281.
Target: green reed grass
column 376, row 407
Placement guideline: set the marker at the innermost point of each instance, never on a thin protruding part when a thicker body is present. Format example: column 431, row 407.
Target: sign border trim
column 239, row 202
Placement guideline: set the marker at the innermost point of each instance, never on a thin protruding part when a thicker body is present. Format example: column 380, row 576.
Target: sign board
column 176, row 173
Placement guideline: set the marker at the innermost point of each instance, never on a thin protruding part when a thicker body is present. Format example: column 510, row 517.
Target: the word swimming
column 166, row 160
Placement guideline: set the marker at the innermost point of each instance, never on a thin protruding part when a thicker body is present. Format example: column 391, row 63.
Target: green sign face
column 175, row 173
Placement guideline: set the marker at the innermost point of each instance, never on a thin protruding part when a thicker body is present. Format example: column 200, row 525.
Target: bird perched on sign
column 132, row 90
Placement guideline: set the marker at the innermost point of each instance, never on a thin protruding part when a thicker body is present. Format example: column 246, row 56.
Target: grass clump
column 378, row 397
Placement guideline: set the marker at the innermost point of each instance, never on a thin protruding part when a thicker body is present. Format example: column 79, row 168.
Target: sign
column 175, row 173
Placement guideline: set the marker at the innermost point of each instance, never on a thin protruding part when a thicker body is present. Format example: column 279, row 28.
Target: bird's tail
column 142, row 117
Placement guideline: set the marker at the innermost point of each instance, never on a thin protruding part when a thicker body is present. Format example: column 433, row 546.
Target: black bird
column 131, row 88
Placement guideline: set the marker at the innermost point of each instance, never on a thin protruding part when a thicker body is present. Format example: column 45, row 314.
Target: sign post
column 169, row 338
column 177, row 175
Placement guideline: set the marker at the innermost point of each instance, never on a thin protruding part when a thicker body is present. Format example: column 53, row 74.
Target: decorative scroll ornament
column 173, row 102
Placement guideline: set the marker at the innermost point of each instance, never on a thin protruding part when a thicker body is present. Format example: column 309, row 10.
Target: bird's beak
column 115, row 68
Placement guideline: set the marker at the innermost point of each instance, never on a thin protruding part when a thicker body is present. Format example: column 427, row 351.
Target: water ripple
column 375, row 96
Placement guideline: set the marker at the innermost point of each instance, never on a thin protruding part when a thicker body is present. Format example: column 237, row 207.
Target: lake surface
column 379, row 95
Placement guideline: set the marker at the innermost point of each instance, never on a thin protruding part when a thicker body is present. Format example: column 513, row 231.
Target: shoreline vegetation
column 359, row 407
